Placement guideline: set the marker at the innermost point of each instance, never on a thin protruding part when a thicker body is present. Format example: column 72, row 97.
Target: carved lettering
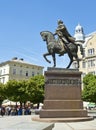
column 64, row 81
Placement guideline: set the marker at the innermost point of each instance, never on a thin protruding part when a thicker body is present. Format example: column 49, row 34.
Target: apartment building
column 88, row 61
column 18, row 69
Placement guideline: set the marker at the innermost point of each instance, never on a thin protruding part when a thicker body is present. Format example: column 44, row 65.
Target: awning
column 91, row 104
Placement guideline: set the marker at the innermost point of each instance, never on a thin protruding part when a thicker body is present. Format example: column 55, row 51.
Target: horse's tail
column 81, row 49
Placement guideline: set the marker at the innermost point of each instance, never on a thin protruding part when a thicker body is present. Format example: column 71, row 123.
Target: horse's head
column 47, row 36
column 43, row 35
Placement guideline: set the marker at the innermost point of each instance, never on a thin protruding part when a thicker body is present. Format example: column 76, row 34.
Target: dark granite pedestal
column 63, row 95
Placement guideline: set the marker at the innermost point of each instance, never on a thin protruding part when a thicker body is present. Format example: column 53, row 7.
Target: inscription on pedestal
column 67, row 82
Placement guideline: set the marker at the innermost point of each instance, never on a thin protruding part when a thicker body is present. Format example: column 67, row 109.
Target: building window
column 37, row 73
column 92, row 72
column 3, row 80
column 84, row 52
column 91, row 63
column 14, row 71
column 26, row 73
column 83, row 75
column 83, row 64
column 0, row 72
column 20, row 72
column 4, row 71
column 91, row 51
column 33, row 74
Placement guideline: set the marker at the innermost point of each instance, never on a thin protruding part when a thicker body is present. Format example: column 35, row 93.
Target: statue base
column 74, row 119
column 63, row 94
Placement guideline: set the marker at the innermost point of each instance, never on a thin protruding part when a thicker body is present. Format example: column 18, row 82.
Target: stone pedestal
column 62, row 94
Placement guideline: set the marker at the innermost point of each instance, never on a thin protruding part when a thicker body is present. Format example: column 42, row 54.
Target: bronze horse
column 55, row 46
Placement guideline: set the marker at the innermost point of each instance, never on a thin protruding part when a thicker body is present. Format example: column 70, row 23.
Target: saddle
column 61, row 46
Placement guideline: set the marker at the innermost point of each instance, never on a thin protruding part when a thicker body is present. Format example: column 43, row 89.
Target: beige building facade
column 88, row 60
column 18, row 69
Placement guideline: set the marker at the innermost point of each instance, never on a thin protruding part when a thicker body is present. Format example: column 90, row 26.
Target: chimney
column 21, row 59
column 14, row 58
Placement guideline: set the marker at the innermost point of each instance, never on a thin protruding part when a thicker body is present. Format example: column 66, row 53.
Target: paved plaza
column 25, row 123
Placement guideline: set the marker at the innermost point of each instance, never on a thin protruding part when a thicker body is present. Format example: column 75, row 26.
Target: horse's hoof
column 54, row 66
column 50, row 62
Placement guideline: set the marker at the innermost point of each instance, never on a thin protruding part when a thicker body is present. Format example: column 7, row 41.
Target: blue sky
column 21, row 22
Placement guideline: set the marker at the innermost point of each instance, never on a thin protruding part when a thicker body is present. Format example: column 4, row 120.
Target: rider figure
column 63, row 34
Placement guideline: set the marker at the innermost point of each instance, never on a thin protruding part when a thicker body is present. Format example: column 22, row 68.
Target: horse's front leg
column 47, row 54
column 54, row 59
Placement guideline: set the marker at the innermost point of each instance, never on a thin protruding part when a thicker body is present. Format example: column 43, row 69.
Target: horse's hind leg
column 54, row 59
column 69, row 64
column 71, row 60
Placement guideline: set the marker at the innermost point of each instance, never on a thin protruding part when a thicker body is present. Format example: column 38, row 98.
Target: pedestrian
column 2, row 111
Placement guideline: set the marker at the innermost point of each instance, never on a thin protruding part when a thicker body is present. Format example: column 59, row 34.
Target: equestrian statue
column 65, row 43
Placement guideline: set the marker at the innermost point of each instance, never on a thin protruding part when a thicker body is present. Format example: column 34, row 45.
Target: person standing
column 2, row 111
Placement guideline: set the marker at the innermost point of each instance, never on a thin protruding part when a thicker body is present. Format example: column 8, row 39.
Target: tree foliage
column 89, row 90
column 25, row 90
column 2, row 94
column 35, row 88
column 15, row 90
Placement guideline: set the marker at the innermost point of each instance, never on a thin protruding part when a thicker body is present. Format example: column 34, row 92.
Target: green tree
column 11, row 88
column 35, row 89
column 2, row 94
column 26, row 90
column 89, row 90
column 16, row 91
